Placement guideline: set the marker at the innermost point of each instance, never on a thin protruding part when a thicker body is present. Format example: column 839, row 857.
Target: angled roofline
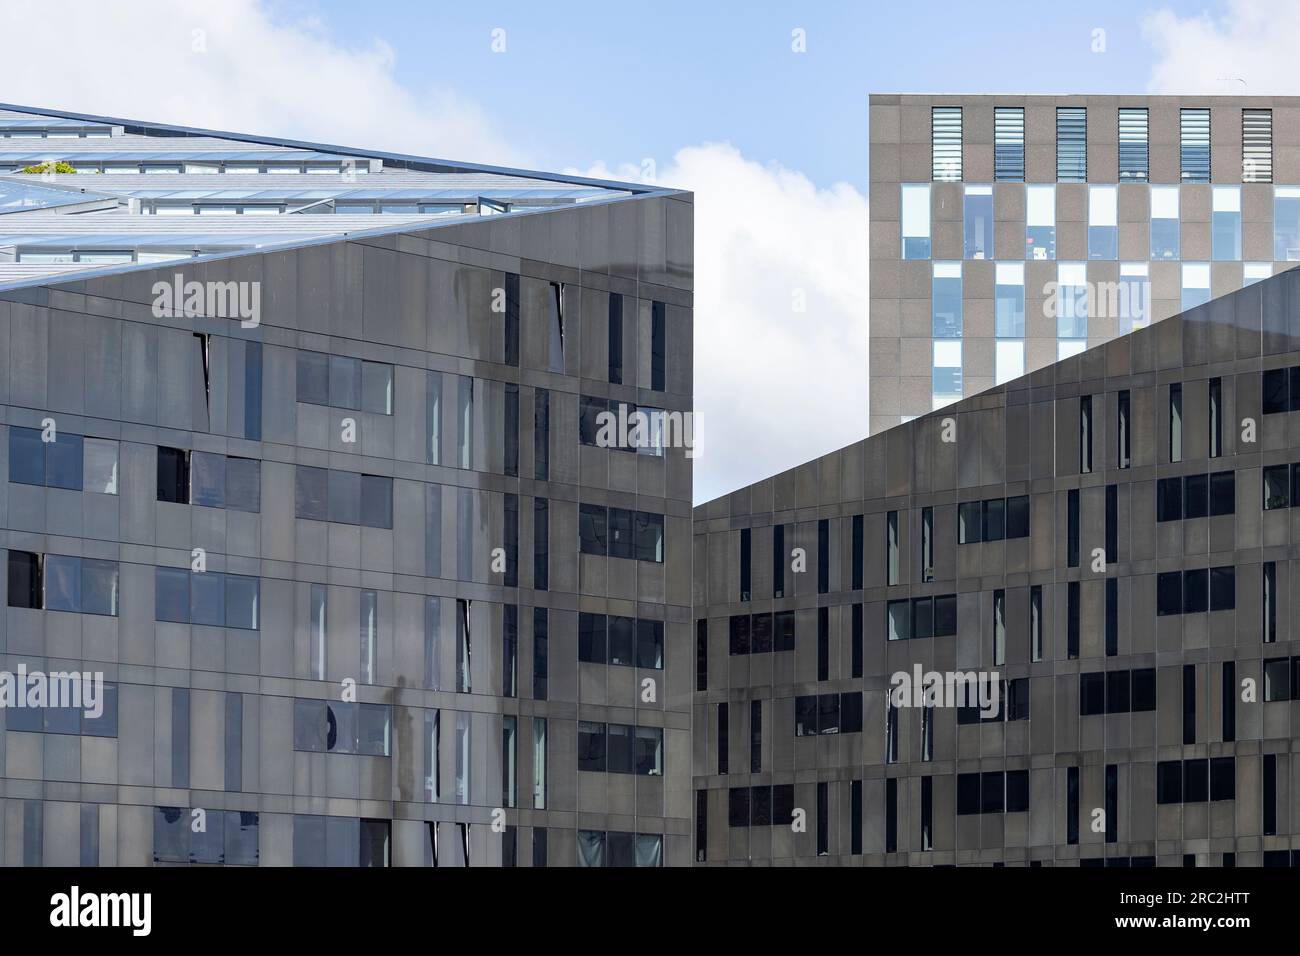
column 401, row 160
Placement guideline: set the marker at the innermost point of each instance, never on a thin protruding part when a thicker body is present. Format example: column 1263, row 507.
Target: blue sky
column 581, row 82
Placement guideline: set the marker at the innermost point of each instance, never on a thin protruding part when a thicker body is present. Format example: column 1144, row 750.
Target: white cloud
column 774, row 387
column 1249, row 40
column 232, row 66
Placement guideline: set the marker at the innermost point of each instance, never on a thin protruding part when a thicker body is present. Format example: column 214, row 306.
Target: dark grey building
column 1108, row 541
column 362, row 585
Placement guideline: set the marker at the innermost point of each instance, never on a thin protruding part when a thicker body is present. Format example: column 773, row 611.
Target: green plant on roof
column 59, row 167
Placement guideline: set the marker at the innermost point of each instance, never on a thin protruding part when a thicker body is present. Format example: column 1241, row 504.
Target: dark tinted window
column 1169, row 593
column 311, row 493
column 376, row 501
column 1223, row 493
column 1196, row 590
column 591, row 638
column 1223, row 588
column 24, row 579
column 1144, row 690
column 1017, row 791
column 1169, row 499
column 994, row 520
column 1196, row 781
column 1223, row 778
column 1196, row 496
column 63, row 458
column 26, row 456
column 592, row 529
column 1169, row 781
column 1275, row 391
column 1018, row 517
column 313, row 378
column 1117, row 692
column 1092, row 693
column 173, row 475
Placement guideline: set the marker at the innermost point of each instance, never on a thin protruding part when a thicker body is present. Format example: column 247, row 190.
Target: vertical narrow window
column 1216, row 417
column 823, row 556
column 927, row 732
column 702, row 655
column 823, row 819
column 433, row 530
column 369, row 637
column 1009, row 144
column 1194, row 145
column 1165, row 222
column 541, row 544
column 1189, row 703
column 857, row 552
column 465, row 422
column 539, row 763
column 1085, row 434
column 891, row 731
column 509, row 650
column 1270, row 794
column 509, row 760
column 432, row 643
column 462, row 780
column 317, row 632
column 1286, row 223
column 658, row 346
column 778, row 561
column 510, row 428
column 512, row 320
column 999, row 627
column 1134, row 148
column 1112, row 617
column 744, row 563
column 945, row 300
column 462, row 646
column 89, row 814
column 1103, row 222
column 1196, row 285
column 1036, row 622
column 1123, row 429
column 1040, row 222
column 1270, row 602
column 977, row 222
column 891, row 548
column 823, row 643
column 1175, row 422
column 615, row 338
column 927, row 545
column 203, row 373
column 1112, row 803
column 253, row 391
column 180, row 738
column 555, row 326
column 945, row 144
column 891, row 815
column 1072, row 528
column 1229, row 701
column 915, row 221
column 724, row 739
column 541, row 652
column 510, row 534
column 432, row 756
column 755, row 736
column 1072, row 805
column 927, row 813
column 1112, row 524
column 542, row 434
column 433, row 418
column 1225, row 223
column 1071, row 144
column 1256, row 146
column 1072, row 620
column 855, row 817
column 1009, row 300
column 857, row 641
column 701, row 825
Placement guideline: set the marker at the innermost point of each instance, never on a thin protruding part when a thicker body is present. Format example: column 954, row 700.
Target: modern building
column 1109, row 542
column 1009, row 232
column 293, row 458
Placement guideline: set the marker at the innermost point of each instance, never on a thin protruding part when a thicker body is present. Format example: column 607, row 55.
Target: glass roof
column 18, row 196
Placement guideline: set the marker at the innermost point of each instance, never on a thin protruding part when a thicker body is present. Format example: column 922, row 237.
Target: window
column 1036, row 622
column 615, row 339
column 1277, row 679
column 945, row 300
column 1072, row 528
column 724, row 737
column 344, row 497
column 541, row 544
column 209, row 598
column 341, row 382
column 744, row 563
column 1085, row 434
column 1009, row 144
column 778, row 561
column 823, row 556
column 701, row 655
column 1176, row 421
column 1164, row 222
column 1072, row 301
column 344, row 727
column 1009, row 295
column 916, row 221
column 945, row 143
column 1072, row 620
column 1071, row 144
column 1194, row 151
column 1225, row 223
column 510, row 430
column 1196, row 284
column 891, row 548
column 1270, row 601
column 1215, row 423
column 756, row 736
column 823, row 643
column 1133, row 297
column 946, row 378
column 511, row 320
column 1133, row 144
column 1255, row 271
column 100, row 466
column 658, row 345
column 25, row 587
column 1228, row 687
column 555, row 327
column 1286, row 223
column 1040, row 222
column 1256, row 146
column 999, row 627
column 927, row 548
column 541, row 434
column 977, row 218
column 1103, row 222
